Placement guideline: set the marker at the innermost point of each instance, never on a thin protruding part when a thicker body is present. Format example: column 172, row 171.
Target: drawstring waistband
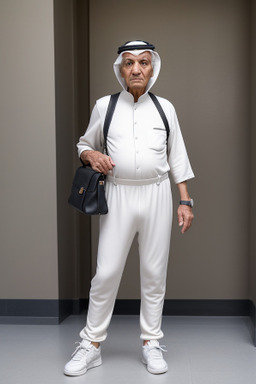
column 155, row 180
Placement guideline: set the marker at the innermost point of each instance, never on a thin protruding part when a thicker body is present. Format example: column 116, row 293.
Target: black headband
column 126, row 47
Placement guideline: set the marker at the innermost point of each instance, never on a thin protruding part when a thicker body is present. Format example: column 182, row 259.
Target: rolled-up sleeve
column 92, row 139
column 178, row 160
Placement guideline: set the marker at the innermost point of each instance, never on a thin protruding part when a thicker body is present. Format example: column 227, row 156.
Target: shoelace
column 79, row 351
column 156, row 351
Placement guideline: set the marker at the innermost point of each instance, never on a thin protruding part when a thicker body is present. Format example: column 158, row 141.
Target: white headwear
column 136, row 48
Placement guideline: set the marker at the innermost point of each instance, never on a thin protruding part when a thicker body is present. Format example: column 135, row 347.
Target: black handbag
column 88, row 192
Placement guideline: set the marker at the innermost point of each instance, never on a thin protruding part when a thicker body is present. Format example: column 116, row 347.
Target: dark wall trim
column 29, row 311
column 41, row 308
column 189, row 307
column 55, row 311
column 206, row 308
column 63, row 308
column 39, row 311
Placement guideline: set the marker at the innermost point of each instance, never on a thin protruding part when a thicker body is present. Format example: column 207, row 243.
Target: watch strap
column 186, row 202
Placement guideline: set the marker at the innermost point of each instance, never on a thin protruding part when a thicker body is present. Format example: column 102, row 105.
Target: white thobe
column 137, row 144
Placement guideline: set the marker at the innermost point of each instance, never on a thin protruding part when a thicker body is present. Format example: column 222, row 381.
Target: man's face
column 136, row 71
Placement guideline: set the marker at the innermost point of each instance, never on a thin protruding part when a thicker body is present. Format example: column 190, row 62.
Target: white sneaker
column 152, row 356
column 86, row 356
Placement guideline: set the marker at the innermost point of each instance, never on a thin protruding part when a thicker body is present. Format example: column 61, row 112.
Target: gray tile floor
column 202, row 350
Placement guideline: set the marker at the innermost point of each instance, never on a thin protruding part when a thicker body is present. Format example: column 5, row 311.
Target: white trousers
column 146, row 210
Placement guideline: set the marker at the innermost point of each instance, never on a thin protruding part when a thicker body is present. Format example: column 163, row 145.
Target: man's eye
column 129, row 63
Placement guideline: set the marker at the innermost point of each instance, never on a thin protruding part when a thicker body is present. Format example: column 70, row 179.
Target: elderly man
column 139, row 201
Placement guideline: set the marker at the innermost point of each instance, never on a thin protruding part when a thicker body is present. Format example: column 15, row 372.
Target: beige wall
column 28, row 246
column 204, row 46
column 41, row 98
column 205, row 50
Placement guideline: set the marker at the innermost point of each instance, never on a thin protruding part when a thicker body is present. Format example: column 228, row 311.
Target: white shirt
column 136, row 139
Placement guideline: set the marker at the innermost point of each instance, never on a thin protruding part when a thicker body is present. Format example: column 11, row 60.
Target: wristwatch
column 190, row 202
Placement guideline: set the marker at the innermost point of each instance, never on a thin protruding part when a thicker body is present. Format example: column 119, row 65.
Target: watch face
column 191, row 203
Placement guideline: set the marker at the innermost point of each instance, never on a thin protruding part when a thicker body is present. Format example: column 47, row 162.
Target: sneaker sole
column 94, row 364
column 154, row 371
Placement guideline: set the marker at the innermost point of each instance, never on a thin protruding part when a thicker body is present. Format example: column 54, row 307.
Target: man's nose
column 136, row 68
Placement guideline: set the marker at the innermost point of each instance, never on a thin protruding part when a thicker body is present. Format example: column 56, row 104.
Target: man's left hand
column 185, row 217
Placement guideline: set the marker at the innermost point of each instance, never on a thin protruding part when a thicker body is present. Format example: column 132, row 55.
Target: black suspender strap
column 162, row 114
column 111, row 109
column 108, row 118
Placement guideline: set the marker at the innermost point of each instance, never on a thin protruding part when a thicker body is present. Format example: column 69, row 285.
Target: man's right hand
column 98, row 161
